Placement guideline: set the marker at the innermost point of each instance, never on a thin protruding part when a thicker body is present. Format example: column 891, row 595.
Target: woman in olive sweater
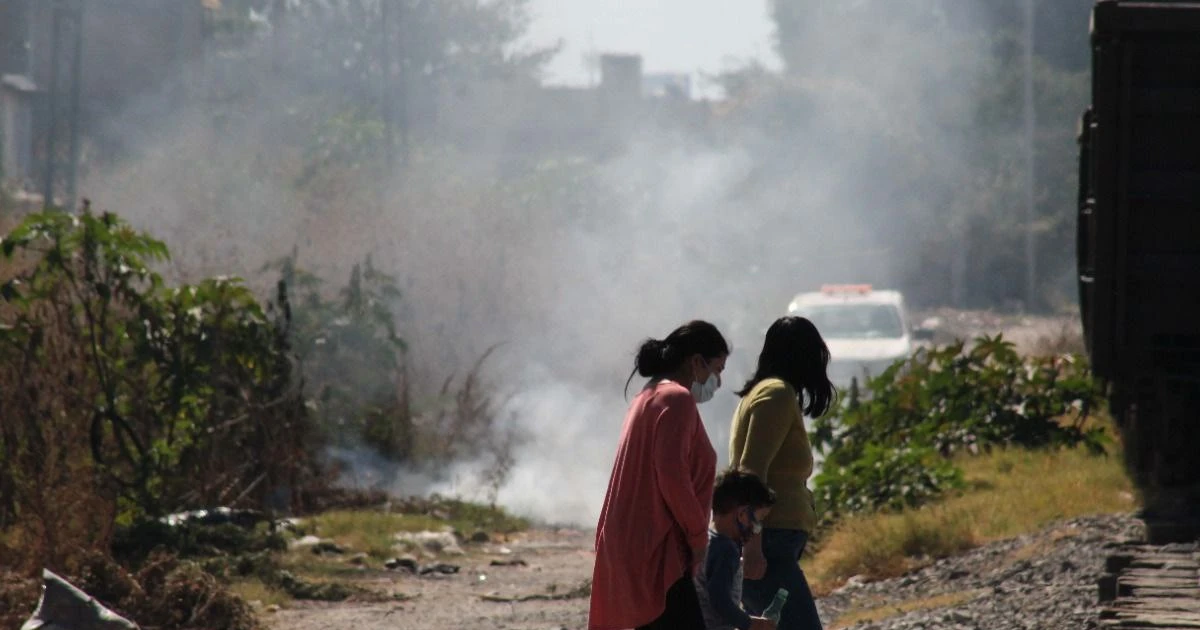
column 768, row 438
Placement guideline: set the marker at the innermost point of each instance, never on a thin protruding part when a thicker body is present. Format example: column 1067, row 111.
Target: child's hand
column 761, row 623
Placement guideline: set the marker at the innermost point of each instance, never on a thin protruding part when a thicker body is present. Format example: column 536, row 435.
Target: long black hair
column 794, row 352
column 659, row 357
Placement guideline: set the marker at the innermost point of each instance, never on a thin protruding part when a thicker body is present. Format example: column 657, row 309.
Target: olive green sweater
column 769, row 439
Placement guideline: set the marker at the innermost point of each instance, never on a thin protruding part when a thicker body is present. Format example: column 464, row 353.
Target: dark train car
column 1139, row 245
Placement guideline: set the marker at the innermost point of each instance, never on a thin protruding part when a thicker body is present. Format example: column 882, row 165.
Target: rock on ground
column 1044, row 580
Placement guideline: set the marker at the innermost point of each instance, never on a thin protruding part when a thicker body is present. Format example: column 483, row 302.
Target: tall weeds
column 125, row 399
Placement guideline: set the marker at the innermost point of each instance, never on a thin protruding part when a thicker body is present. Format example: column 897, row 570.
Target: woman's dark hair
column 658, row 357
column 795, row 353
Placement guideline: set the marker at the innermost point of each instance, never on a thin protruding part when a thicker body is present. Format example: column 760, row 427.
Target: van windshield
column 855, row 321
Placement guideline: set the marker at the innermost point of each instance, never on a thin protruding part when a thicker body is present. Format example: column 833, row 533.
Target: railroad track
column 1151, row 587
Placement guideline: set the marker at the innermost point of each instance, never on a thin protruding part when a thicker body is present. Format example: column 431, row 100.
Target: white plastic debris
column 64, row 607
column 306, row 541
column 432, row 542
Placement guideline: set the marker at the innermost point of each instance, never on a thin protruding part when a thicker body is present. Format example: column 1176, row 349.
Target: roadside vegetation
column 1008, row 492
column 959, row 446
column 132, row 399
column 893, row 444
column 128, row 399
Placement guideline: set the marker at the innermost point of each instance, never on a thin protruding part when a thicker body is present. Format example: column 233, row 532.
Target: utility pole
column 52, row 104
column 401, row 58
column 76, row 79
column 388, row 78
column 1030, row 172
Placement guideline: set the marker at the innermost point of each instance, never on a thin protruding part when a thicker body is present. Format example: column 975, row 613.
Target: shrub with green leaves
column 125, row 399
column 891, row 447
column 174, row 396
column 353, row 358
column 887, row 478
column 358, row 385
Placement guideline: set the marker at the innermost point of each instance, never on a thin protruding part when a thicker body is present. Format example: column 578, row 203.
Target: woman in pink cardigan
column 653, row 528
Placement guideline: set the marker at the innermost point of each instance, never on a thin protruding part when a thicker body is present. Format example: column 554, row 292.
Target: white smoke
column 571, row 275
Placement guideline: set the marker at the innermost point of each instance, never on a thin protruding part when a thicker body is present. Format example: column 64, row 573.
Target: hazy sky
column 671, row 35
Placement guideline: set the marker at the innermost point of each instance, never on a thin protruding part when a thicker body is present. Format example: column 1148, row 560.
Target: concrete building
column 667, row 85
column 18, row 96
column 522, row 119
column 126, row 49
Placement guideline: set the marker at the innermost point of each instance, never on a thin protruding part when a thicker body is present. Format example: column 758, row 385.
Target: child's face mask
column 753, row 527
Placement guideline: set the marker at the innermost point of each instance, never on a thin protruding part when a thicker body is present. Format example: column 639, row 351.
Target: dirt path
column 1042, row 580
column 556, row 563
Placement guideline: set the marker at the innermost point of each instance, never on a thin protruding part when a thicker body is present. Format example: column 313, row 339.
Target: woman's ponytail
column 652, row 358
column 660, row 357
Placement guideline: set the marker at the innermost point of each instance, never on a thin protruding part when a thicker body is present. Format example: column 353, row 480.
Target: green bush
column 182, row 395
column 891, row 447
column 886, row 478
column 353, row 358
column 358, row 381
column 125, row 399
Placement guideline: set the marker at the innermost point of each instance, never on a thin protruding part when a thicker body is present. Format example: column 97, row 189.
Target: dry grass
column 1011, row 492
column 894, row 609
column 320, row 568
column 370, row 532
column 374, row 532
column 18, row 598
column 1066, row 338
column 1041, row 546
column 257, row 594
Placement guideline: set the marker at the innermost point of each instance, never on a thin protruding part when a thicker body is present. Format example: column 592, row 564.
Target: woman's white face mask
column 703, row 392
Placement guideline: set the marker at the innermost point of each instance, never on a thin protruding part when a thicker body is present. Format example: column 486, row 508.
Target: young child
column 740, row 503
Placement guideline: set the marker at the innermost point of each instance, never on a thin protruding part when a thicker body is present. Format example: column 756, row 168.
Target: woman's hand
column 754, row 563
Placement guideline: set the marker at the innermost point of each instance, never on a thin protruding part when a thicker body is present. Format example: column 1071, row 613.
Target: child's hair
column 737, row 488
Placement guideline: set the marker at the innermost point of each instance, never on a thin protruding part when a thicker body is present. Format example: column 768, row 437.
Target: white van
column 866, row 329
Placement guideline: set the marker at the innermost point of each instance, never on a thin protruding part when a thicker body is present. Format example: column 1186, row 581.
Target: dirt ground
column 556, row 562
